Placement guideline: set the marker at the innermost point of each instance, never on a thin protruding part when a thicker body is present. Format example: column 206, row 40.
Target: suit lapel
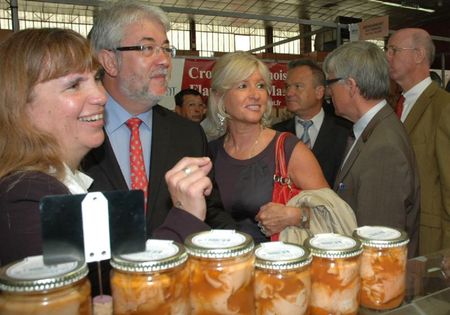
column 419, row 107
column 161, row 136
column 325, row 137
column 290, row 126
column 381, row 115
column 106, row 159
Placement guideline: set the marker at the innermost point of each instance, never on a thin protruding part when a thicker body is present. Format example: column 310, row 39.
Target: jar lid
column 281, row 256
column 217, row 244
column 331, row 245
column 31, row 275
column 381, row 236
column 158, row 255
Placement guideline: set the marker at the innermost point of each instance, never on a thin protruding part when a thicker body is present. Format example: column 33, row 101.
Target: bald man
column 426, row 117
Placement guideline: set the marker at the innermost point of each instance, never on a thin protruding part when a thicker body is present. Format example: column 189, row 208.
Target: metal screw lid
column 281, row 256
column 381, row 236
column 218, row 244
column 331, row 245
column 31, row 275
column 159, row 255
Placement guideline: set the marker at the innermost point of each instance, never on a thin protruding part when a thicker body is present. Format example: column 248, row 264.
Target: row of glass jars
column 226, row 275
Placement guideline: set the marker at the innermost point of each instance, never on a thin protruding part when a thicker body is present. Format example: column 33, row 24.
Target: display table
column 427, row 287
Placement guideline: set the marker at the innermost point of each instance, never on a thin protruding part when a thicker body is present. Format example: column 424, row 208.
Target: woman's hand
column 275, row 217
column 188, row 184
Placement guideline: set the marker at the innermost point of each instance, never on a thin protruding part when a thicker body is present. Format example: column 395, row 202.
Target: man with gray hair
column 378, row 177
column 425, row 112
column 146, row 145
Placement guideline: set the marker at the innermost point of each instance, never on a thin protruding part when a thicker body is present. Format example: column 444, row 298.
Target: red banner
column 197, row 75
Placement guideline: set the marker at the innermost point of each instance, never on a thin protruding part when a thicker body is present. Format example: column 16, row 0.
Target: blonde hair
column 228, row 70
column 27, row 58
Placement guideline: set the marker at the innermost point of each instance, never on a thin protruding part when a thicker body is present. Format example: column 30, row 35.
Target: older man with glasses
column 378, row 177
column 149, row 147
column 424, row 110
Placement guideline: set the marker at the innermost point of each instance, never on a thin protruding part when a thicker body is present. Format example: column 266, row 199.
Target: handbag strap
column 280, row 159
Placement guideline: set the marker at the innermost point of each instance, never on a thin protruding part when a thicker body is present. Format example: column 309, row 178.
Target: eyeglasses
column 149, row 50
column 331, row 81
column 392, row 50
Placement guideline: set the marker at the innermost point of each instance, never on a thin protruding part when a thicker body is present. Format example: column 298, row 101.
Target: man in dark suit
column 130, row 40
column 426, row 117
column 327, row 135
column 378, row 178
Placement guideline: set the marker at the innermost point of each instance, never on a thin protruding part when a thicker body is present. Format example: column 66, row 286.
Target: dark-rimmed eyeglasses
column 331, row 81
column 392, row 50
column 149, row 50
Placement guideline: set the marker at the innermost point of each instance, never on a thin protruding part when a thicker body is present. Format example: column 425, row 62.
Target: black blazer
column 330, row 143
column 173, row 138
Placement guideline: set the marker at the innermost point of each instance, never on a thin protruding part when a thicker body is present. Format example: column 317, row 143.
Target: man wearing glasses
column 378, row 177
column 425, row 113
column 147, row 145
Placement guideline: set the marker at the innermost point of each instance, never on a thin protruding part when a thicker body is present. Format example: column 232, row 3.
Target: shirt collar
column 362, row 123
column 116, row 116
column 77, row 182
column 413, row 93
column 317, row 120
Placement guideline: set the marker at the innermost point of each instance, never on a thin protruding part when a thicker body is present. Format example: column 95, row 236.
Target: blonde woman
column 244, row 149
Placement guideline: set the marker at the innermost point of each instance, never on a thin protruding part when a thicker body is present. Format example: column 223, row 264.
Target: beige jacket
column 329, row 214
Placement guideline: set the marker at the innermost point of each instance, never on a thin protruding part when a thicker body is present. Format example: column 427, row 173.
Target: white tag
column 94, row 208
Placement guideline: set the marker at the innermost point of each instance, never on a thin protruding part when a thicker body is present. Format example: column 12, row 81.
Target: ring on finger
column 187, row 170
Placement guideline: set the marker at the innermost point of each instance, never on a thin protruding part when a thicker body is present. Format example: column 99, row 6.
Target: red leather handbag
column 283, row 188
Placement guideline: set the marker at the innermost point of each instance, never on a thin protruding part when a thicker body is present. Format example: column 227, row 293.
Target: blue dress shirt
column 119, row 136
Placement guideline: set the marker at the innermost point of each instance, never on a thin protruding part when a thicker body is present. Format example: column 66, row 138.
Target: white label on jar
column 330, row 241
column 33, row 268
column 277, row 251
column 381, row 233
column 154, row 250
column 218, row 239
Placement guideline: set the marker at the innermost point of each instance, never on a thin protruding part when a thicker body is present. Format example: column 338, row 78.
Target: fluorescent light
column 399, row 5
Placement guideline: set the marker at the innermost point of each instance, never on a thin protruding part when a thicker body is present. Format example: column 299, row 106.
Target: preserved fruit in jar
column 221, row 264
column 383, row 266
column 29, row 287
column 282, row 279
column 335, row 280
column 155, row 281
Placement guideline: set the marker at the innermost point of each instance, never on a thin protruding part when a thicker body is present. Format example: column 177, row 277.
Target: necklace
column 251, row 149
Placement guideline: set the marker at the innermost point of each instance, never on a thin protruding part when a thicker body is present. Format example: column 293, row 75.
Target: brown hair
column 27, row 58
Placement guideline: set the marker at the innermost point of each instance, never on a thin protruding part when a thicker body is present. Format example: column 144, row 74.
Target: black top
column 246, row 185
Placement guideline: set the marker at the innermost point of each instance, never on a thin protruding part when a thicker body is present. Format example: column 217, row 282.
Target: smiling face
column 143, row 80
column 70, row 108
column 247, row 100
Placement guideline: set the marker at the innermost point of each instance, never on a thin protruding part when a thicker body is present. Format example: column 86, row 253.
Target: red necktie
column 399, row 106
column 137, row 165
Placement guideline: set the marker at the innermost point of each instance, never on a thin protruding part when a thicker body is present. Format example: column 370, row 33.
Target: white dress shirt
column 313, row 130
column 412, row 95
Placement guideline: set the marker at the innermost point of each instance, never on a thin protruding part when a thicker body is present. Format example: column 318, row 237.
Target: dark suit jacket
column 428, row 127
column 330, row 143
column 379, row 179
column 173, row 138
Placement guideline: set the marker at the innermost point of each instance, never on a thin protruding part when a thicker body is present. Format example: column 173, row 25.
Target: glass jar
column 155, row 281
column 383, row 266
column 335, row 280
column 221, row 264
column 282, row 279
column 30, row 287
